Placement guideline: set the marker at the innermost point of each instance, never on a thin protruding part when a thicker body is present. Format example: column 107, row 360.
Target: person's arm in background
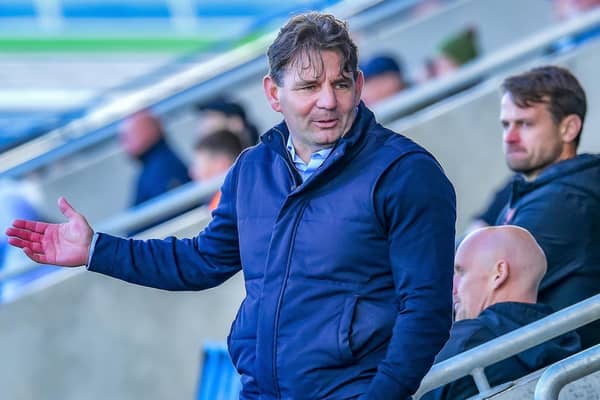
column 493, row 209
column 416, row 204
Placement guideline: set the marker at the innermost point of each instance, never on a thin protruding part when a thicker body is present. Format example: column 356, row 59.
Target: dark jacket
column 161, row 171
column 348, row 275
column 561, row 209
column 493, row 322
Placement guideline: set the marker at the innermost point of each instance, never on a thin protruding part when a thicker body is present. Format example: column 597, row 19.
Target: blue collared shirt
column 316, row 159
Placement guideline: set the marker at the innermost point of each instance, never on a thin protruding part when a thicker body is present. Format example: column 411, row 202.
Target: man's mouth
column 326, row 123
column 515, row 150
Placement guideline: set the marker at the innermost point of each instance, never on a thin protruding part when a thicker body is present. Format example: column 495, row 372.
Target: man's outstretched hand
column 66, row 244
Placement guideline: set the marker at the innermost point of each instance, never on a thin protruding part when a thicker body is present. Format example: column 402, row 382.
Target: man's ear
column 360, row 82
column 501, row 274
column 570, row 127
column 271, row 92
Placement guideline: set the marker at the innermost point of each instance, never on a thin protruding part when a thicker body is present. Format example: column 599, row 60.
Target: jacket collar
column 276, row 138
column 555, row 171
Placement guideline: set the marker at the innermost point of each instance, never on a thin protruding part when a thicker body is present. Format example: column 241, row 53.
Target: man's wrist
column 91, row 249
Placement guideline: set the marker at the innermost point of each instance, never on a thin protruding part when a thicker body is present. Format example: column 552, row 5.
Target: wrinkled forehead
column 309, row 65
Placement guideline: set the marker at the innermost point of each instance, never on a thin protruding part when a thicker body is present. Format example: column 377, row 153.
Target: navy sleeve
column 464, row 335
column 177, row 264
column 416, row 204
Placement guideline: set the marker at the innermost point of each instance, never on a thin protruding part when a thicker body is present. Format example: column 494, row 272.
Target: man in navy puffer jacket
column 343, row 229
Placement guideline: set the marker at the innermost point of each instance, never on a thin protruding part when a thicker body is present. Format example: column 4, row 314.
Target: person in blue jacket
column 142, row 138
column 497, row 272
column 344, row 231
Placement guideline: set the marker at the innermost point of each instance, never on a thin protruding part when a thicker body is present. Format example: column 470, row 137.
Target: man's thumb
column 65, row 208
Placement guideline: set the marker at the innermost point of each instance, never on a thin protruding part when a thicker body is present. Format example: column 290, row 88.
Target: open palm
column 64, row 244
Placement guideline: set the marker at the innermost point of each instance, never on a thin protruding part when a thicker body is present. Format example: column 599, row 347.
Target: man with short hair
column 142, row 138
column 497, row 272
column 346, row 253
column 556, row 194
column 384, row 77
column 214, row 154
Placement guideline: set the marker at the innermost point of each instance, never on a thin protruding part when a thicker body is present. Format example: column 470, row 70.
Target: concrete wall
column 93, row 337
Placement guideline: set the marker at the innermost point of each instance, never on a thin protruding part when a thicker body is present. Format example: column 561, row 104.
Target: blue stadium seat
column 218, row 378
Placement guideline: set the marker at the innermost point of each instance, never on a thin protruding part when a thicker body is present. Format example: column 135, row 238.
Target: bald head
column 496, row 264
column 139, row 133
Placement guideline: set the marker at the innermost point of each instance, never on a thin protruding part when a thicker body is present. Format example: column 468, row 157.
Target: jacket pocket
column 345, row 329
column 365, row 326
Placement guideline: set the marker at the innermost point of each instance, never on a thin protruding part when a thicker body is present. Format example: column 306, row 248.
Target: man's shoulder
column 465, row 335
column 396, row 145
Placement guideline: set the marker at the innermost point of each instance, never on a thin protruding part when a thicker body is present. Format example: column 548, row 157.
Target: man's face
column 532, row 140
column 318, row 106
column 208, row 165
column 381, row 87
column 470, row 289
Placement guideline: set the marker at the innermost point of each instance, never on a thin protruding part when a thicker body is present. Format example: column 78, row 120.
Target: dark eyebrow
column 343, row 78
column 304, row 82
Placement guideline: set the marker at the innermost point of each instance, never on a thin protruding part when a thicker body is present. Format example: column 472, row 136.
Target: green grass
column 100, row 44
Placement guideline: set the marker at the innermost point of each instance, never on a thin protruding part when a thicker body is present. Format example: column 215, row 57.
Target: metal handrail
column 407, row 101
column 512, row 343
column 156, row 209
column 566, row 371
column 244, row 62
column 210, row 75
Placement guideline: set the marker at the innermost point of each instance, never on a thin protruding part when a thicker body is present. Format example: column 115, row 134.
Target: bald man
column 497, row 272
column 142, row 138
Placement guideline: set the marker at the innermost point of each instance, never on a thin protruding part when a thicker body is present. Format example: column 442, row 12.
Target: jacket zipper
column 288, row 163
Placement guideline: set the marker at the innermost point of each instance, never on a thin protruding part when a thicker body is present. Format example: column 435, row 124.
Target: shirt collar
column 321, row 154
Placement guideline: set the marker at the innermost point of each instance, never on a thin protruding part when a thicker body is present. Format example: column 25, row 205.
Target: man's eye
column 342, row 85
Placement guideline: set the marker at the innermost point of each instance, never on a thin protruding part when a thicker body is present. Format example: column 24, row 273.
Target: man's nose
column 454, row 287
column 511, row 134
column 327, row 98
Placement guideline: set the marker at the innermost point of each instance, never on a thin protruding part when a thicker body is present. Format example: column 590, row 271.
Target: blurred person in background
column 556, row 192
column 223, row 114
column 142, row 138
column 346, row 254
column 565, row 10
column 384, row 77
column 497, row 272
column 18, row 199
column 214, row 154
column 454, row 52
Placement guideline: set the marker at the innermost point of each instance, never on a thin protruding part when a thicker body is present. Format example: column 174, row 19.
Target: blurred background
column 134, row 110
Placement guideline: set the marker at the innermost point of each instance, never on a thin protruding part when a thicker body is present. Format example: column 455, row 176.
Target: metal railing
column 414, row 98
column 203, row 81
column 561, row 373
column 197, row 83
column 472, row 362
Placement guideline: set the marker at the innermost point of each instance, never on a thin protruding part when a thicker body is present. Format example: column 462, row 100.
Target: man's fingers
column 24, row 244
column 20, row 243
column 66, row 208
column 37, row 257
column 34, row 226
column 24, row 234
